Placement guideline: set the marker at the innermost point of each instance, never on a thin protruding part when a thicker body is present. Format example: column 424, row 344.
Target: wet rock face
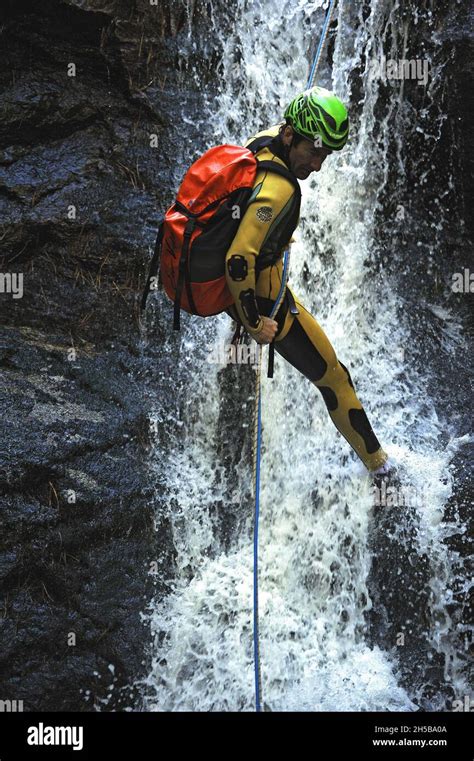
column 86, row 86
column 431, row 243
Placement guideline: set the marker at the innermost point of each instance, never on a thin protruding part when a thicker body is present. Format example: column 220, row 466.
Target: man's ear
column 288, row 135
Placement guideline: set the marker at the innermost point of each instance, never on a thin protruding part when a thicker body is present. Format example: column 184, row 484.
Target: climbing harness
column 258, row 408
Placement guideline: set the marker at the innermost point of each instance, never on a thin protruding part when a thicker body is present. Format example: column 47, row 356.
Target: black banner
column 102, row 735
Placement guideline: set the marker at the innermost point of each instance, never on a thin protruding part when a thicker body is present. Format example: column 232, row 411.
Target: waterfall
column 319, row 528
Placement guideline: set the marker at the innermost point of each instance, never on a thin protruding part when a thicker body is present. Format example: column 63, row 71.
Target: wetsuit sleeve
column 270, row 201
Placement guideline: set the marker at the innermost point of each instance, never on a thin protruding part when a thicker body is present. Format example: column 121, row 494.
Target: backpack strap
column 272, row 166
column 263, row 142
column 260, row 142
column 154, row 266
column 183, row 277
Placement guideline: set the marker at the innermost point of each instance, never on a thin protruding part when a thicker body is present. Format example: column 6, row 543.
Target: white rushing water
column 316, row 508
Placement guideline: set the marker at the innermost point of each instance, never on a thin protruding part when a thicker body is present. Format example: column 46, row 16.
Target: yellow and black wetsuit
column 254, row 264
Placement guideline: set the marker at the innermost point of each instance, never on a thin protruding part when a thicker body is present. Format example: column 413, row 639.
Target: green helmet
column 318, row 114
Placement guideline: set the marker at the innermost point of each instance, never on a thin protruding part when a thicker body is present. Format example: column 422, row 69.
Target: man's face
column 304, row 157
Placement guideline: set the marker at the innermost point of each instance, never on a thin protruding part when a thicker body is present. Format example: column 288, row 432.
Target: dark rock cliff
column 81, row 186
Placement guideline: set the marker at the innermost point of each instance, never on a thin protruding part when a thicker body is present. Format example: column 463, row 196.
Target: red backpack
column 197, row 230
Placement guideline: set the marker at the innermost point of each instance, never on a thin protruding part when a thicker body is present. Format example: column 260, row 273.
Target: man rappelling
column 316, row 124
column 211, row 262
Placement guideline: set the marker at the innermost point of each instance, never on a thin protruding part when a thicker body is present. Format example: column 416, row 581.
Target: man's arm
column 269, row 201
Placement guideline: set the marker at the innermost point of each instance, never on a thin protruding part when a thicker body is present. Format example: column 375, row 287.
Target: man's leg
column 303, row 343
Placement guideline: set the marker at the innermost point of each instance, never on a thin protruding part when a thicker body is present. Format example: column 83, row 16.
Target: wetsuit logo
column 264, row 213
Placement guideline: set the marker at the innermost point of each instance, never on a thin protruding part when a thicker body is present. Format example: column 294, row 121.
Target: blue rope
column 322, row 40
column 258, row 682
column 256, row 653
